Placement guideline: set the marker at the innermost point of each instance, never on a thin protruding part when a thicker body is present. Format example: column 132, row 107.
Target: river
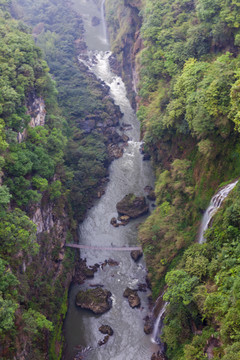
column 127, row 174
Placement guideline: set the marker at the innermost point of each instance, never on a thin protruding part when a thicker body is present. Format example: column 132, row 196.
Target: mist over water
column 127, row 174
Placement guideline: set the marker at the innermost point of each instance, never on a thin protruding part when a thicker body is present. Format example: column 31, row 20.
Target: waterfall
column 215, row 204
column 104, row 25
column 158, row 325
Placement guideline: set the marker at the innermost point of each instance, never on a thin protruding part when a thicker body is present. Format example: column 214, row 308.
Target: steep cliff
column 188, row 108
column 50, row 175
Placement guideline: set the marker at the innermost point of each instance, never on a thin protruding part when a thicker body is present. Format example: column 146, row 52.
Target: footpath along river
column 129, row 174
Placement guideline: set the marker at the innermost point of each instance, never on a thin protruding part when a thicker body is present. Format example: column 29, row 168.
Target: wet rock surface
column 97, row 300
column 150, row 193
column 104, row 341
column 133, row 298
column 136, row 254
column 142, row 287
column 110, row 262
column 148, row 325
column 106, row 330
column 158, row 356
column 83, row 272
column 132, row 206
column 120, row 221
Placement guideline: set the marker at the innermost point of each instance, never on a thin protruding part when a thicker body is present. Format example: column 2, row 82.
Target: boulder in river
column 132, row 206
column 133, row 298
column 114, row 222
column 104, row 341
column 106, row 330
column 136, row 254
column 82, row 271
column 114, row 151
column 97, row 300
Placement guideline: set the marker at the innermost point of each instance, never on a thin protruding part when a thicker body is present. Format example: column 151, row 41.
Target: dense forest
column 184, row 58
column 52, row 168
column 189, row 112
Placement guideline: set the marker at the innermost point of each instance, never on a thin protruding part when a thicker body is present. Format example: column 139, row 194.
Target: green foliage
column 5, row 196
column 8, row 305
column 17, row 234
column 35, row 322
column 180, row 287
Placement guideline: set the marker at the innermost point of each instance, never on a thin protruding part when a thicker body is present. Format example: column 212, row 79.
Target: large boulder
column 97, row 300
column 106, row 330
column 136, row 254
column 132, row 206
column 132, row 296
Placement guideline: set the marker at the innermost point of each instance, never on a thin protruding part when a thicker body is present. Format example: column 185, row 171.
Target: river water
column 127, row 174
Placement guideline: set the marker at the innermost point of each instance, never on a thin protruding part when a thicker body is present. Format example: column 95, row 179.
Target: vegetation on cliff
column 50, row 169
column 189, row 111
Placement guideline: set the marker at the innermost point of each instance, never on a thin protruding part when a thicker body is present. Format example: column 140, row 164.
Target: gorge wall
column 188, row 105
column 56, row 142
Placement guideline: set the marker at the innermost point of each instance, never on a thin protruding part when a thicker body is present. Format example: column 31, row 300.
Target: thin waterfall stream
column 214, row 205
column 129, row 174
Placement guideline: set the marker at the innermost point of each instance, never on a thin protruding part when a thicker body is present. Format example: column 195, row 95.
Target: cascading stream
column 158, row 325
column 129, row 174
column 214, row 205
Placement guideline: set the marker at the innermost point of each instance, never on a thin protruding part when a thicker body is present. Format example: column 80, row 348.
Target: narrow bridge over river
column 110, row 248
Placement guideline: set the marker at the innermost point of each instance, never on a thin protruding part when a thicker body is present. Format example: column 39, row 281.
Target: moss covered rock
column 132, row 206
column 97, row 300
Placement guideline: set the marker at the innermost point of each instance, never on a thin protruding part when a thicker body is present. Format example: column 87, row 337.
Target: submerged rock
column 97, row 300
column 142, row 287
column 136, row 254
column 106, row 330
column 104, row 341
column 110, row 262
column 132, row 206
column 148, row 325
column 133, row 298
column 95, row 21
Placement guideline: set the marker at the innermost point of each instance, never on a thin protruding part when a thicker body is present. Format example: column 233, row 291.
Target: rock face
column 133, row 298
column 132, row 206
column 136, row 254
column 97, row 300
column 36, row 110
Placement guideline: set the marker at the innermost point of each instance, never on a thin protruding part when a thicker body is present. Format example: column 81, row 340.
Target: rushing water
column 215, row 204
column 158, row 325
column 127, row 174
